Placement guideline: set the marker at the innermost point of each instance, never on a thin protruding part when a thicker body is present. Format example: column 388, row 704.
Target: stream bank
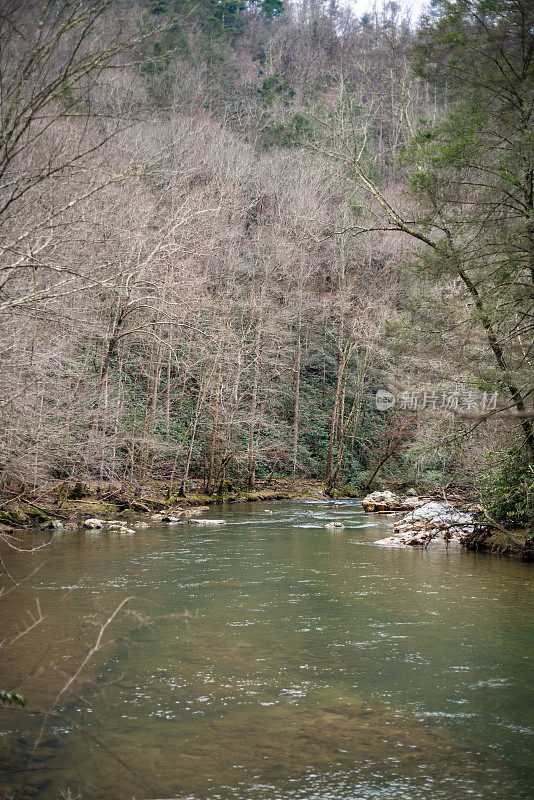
column 514, row 544
column 71, row 501
column 418, row 520
column 75, row 500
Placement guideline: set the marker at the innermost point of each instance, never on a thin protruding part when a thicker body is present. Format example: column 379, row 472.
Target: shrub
column 508, row 491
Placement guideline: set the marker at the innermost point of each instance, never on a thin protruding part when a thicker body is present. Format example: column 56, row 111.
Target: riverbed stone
column 388, row 502
column 191, row 512
column 383, row 501
column 430, row 521
column 207, row 522
column 52, row 525
column 93, row 523
column 390, row 541
column 413, row 502
column 337, row 525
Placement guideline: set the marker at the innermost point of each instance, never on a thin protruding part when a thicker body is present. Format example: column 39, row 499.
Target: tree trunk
column 214, row 434
column 297, row 400
column 253, row 408
column 334, row 419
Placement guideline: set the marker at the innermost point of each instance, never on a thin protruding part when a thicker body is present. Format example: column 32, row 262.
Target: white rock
column 435, row 520
column 93, row 523
column 413, row 502
column 436, row 512
column 53, row 525
column 141, row 525
column 387, row 496
column 334, row 525
column 189, row 512
column 390, row 541
column 419, row 539
column 207, row 522
column 382, row 501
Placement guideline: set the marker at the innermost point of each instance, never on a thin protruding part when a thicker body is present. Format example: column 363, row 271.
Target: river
column 272, row 659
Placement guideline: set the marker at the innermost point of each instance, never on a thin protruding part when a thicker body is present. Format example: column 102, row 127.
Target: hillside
column 226, row 226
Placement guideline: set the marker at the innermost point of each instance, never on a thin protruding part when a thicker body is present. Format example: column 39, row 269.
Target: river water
column 271, row 659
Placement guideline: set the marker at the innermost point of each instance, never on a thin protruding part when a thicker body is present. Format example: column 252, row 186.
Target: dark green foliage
column 290, row 134
column 355, row 207
column 271, row 8
column 12, row 698
column 275, row 87
column 509, row 490
column 226, row 16
column 159, row 7
column 313, row 442
column 161, row 54
column 203, row 35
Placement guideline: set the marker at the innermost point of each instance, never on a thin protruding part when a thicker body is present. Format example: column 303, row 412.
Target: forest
column 226, row 225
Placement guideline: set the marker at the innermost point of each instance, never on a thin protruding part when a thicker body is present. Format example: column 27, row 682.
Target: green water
column 311, row 665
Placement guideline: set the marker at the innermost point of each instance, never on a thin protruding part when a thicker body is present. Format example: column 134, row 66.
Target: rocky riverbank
column 430, row 520
column 66, row 502
column 514, row 544
column 426, row 516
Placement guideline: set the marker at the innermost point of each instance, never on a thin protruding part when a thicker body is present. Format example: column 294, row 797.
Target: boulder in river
column 390, row 541
column 119, row 526
column 52, row 525
column 387, row 501
column 430, row 521
column 337, row 525
column 191, row 512
column 93, row 523
column 207, row 522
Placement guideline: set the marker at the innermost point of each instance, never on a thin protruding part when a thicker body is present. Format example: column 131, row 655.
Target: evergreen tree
column 473, row 174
